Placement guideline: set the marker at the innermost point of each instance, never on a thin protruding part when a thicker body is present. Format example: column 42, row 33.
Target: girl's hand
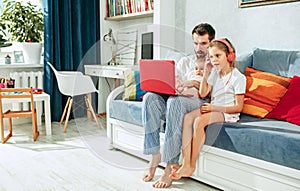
column 206, row 107
column 208, row 65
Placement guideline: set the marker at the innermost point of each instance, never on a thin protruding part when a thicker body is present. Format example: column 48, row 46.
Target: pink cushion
column 288, row 108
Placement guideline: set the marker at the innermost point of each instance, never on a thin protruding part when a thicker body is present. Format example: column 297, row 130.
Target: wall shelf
column 20, row 65
column 136, row 15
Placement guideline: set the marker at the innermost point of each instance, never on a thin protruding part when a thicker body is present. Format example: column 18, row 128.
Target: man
column 171, row 109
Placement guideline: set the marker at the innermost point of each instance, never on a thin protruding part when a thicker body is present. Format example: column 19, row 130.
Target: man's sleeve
column 179, row 67
column 182, row 68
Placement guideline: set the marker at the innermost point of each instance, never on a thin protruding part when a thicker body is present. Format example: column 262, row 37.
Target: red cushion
column 288, row 108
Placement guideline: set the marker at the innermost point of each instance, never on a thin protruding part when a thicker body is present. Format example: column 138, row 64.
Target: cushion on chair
column 132, row 90
column 263, row 92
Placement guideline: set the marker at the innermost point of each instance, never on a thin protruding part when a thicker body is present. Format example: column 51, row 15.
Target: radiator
column 25, row 80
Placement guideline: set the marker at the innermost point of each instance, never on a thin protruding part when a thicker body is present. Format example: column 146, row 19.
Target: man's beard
column 201, row 54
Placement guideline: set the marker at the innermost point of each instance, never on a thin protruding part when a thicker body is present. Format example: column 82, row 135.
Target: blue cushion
column 283, row 63
column 270, row 140
column 243, row 61
column 294, row 69
column 128, row 111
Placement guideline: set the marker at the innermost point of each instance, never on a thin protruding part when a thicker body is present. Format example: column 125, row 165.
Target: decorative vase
column 7, row 59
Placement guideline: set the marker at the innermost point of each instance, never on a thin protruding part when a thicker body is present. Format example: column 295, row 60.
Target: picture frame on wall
column 126, row 46
column 19, row 58
column 252, row 3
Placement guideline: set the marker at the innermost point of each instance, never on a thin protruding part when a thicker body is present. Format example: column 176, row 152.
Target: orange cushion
column 263, row 92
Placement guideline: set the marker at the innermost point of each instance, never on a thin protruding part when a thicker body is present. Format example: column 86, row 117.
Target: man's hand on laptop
column 179, row 83
column 182, row 86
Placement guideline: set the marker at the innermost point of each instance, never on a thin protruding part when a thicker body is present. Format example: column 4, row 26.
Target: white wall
column 271, row 26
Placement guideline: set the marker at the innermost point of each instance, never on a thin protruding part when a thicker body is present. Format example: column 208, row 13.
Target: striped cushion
column 263, row 92
column 132, row 91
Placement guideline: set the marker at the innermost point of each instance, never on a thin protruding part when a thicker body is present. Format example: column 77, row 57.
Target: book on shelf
column 151, row 3
column 122, row 7
column 106, row 9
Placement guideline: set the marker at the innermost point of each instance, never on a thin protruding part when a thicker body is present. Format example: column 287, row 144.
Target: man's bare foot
column 149, row 174
column 165, row 181
column 183, row 171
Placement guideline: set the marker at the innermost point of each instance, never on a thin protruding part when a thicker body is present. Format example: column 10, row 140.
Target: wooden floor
column 80, row 159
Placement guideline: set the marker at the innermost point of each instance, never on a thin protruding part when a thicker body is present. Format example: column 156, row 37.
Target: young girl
column 227, row 87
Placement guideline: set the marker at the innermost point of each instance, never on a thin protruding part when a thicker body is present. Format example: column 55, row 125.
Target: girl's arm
column 205, row 89
column 237, row 108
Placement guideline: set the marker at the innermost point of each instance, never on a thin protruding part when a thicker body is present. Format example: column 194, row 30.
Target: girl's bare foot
column 183, row 171
column 174, row 168
column 150, row 172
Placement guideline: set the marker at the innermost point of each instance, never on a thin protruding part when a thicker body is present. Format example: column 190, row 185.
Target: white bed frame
column 217, row 167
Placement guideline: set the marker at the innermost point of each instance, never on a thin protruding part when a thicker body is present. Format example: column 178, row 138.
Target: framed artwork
column 126, row 46
column 252, row 3
column 19, row 58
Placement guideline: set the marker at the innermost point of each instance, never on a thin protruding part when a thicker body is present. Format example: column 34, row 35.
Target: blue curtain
column 72, row 27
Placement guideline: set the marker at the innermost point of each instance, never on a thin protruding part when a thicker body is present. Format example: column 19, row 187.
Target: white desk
column 105, row 71
column 38, row 98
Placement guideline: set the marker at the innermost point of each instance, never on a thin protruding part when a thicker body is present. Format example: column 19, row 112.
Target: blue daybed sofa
column 252, row 154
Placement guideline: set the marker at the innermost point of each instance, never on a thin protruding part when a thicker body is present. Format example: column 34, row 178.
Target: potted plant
column 24, row 23
column 3, row 41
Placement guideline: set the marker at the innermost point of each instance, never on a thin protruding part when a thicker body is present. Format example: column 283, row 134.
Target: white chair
column 73, row 83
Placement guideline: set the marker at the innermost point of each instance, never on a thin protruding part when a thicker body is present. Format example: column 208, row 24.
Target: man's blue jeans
column 171, row 109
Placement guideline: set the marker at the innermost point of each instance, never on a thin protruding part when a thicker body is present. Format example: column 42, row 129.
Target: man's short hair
column 205, row 28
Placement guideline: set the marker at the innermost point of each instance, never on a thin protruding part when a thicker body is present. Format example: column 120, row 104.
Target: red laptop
column 158, row 76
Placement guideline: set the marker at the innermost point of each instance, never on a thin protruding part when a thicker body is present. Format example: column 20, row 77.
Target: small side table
column 39, row 98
